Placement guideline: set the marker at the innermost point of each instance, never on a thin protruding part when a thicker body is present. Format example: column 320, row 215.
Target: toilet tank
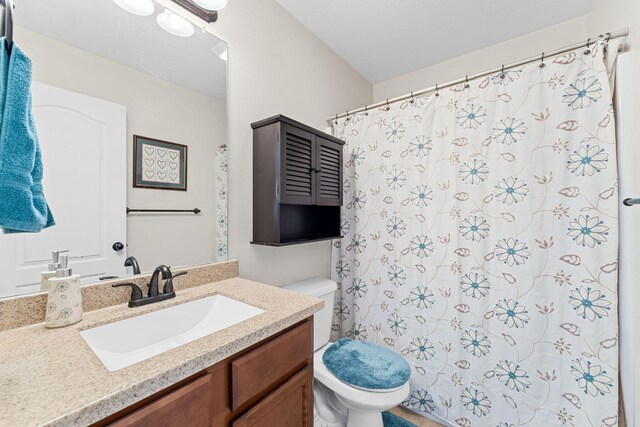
column 324, row 289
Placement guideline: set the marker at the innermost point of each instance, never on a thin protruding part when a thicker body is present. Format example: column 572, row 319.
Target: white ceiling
column 383, row 39
column 104, row 29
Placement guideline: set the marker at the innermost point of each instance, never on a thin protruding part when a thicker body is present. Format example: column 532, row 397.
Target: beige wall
column 276, row 66
column 156, row 109
column 525, row 46
column 612, row 15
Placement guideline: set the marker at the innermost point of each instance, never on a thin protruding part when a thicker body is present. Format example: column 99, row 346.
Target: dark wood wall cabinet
column 268, row 384
column 297, row 183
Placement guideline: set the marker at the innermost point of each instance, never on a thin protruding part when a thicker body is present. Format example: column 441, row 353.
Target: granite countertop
column 51, row 376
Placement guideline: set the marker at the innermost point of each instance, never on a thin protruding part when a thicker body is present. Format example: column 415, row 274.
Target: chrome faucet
column 153, row 294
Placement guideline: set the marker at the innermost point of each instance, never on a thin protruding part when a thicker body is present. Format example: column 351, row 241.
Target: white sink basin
column 123, row 343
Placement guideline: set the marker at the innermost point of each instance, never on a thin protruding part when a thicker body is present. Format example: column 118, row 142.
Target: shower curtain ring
column 502, row 75
column 366, row 113
column 336, row 118
column 411, row 100
column 466, row 81
column 588, row 51
column 388, row 108
column 437, row 93
column 542, row 61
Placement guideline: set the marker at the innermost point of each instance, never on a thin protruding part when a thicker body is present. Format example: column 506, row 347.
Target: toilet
column 338, row 404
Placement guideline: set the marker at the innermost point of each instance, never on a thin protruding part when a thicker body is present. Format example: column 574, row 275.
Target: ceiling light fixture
column 175, row 24
column 207, row 15
column 137, row 7
column 211, row 4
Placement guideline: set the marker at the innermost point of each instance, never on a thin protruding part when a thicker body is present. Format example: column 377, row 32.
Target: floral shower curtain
column 481, row 242
column 222, row 185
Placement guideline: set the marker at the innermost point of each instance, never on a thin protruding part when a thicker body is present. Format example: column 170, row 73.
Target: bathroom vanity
column 268, row 384
column 249, row 374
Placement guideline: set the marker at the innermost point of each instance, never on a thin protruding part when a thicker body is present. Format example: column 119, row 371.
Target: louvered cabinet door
column 298, row 179
column 329, row 172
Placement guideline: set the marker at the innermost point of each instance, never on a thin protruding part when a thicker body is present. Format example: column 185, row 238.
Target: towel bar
column 194, row 211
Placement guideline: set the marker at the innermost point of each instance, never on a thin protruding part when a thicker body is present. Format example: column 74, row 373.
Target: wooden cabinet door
column 290, row 405
column 190, row 405
column 284, row 355
column 329, row 172
column 298, row 177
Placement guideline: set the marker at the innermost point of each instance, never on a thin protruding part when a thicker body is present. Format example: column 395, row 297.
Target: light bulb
column 211, row 4
column 175, row 24
column 137, row 7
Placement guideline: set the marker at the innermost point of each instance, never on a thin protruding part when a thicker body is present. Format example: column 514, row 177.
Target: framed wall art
column 159, row 164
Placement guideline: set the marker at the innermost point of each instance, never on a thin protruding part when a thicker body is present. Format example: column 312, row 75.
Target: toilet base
column 332, row 410
column 327, row 410
column 364, row 419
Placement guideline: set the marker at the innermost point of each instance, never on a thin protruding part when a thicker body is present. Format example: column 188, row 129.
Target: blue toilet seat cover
column 366, row 365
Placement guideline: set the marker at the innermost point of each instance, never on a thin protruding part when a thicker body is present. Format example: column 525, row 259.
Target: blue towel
column 4, row 73
column 23, row 207
column 366, row 365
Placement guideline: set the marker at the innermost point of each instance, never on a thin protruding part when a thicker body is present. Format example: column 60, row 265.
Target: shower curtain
column 481, row 243
column 222, row 185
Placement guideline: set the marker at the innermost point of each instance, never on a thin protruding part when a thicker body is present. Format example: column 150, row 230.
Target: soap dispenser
column 52, row 270
column 64, row 304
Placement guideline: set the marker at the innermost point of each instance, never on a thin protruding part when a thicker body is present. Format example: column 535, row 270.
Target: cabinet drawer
column 189, row 405
column 258, row 372
column 290, row 405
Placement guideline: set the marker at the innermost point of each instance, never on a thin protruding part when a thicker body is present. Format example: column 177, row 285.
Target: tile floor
column 418, row 420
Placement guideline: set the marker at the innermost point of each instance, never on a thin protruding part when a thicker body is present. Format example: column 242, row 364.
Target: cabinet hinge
column 277, row 190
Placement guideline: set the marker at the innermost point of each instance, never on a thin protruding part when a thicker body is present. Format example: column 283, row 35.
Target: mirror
column 130, row 118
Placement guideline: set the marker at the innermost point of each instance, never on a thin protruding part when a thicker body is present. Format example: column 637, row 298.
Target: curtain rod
column 608, row 36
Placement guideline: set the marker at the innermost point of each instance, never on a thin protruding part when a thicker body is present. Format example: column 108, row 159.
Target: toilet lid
column 365, row 365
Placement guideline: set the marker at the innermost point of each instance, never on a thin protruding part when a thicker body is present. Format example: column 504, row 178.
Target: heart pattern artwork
column 160, row 165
